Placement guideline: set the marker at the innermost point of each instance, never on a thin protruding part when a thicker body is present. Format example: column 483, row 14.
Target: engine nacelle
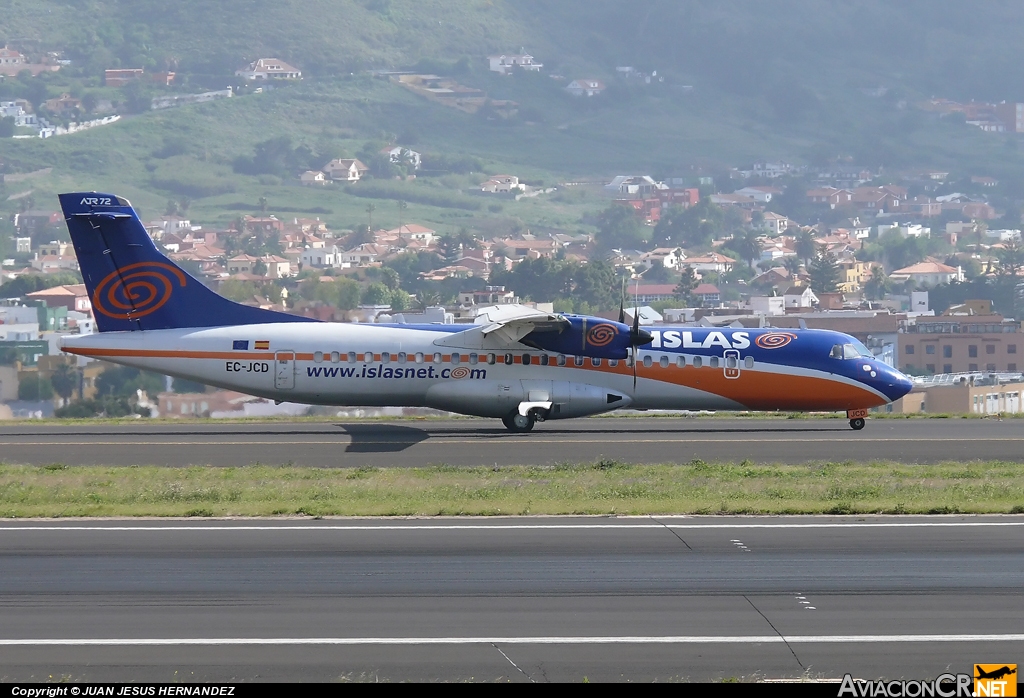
column 587, row 336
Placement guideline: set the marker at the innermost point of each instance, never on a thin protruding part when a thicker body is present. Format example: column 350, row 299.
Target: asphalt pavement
column 465, row 442
column 505, row 599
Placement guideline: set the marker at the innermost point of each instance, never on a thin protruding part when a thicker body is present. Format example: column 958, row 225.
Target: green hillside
column 769, row 80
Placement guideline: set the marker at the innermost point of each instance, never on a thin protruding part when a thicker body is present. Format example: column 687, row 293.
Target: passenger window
column 437, row 358
column 648, row 361
column 368, row 357
column 491, row 359
column 663, row 361
column 749, row 362
column 335, row 357
column 509, row 359
column 419, row 357
column 473, row 358
column 681, row 361
column 713, row 363
column 526, row 359
column 732, row 362
column 401, row 357
column 561, row 359
column 385, row 358
column 698, row 362
column 578, row 360
column 613, row 362
column 595, row 361
column 352, row 357
column 318, row 356
column 456, row 359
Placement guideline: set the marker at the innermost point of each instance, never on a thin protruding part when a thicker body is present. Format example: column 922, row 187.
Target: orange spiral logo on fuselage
column 136, row 290
column 601, row 335
column 774, row 340
column 459, row 372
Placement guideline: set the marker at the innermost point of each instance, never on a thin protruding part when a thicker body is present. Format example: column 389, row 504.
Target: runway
column 537, row 599
column 469, row 442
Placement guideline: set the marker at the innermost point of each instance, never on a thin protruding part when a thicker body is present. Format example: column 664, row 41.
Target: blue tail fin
column 132, row 285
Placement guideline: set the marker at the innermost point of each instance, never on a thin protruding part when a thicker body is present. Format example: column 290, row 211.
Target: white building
column 586, row 87
column 402, row 156
column 321, row 257
column 928, row 273
column 1004, row 235
column 269, row 69
column 508, row 62
column 909, row 230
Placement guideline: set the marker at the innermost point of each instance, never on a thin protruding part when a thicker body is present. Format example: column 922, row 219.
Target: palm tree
column 401, row 206
column 370, row 208
column 263, row 204
column 64, row 381
column 805, row 245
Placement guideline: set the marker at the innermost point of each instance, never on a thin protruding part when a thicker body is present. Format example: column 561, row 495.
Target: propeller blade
column 634, row 335
column 622, row 313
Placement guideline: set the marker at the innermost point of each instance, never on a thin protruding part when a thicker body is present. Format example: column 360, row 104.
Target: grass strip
column 604, row 487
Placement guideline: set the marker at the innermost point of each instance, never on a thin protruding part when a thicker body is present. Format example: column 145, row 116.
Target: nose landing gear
column 856, row 418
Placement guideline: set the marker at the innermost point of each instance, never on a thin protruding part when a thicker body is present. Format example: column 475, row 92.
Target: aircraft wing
column 502, row 326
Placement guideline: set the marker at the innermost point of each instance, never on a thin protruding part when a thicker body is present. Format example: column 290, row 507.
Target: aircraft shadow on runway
column 382, row 438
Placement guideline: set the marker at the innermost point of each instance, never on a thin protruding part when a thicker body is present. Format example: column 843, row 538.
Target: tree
column 262, row 201
column 401, row 206
column 361, row 234
column 695, row 226
column 7, row 127
column 370, row 208
column 824, row 272
column 123, row 381
column 64, row 381
column 748, row 246
column 805, row 246
column 619, row 228
column 878, row 285
column 377, row 294
column 684, row 289
column 792, row 264
column 35, row 389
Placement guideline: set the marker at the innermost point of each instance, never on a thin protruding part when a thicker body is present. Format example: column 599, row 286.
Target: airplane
column 513, row 363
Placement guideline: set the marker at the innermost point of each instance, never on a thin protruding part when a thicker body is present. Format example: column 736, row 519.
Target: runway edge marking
column 538, row 640
column 521, row 527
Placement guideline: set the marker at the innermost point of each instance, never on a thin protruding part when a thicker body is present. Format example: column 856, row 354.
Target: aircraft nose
column 899, row 385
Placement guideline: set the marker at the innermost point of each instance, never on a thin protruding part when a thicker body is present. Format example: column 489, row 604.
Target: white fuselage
column 373, row 365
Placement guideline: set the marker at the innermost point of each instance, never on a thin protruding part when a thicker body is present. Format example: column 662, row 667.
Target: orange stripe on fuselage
column 171, row 354
column 754, row 389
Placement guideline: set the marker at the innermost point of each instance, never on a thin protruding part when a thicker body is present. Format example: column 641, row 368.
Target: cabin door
column 284, row 370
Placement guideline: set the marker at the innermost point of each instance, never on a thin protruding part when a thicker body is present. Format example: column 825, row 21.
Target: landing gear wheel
column 518, row 423
column 857, row 424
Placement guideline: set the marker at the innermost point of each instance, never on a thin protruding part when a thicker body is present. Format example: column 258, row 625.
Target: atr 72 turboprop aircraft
column 513, row 363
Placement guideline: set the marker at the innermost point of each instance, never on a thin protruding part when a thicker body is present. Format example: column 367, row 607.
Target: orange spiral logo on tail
column 136, row 290
column 601, row 335
column 774, row 340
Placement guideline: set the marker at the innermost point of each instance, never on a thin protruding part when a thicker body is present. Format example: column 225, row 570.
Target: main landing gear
column 519, row 423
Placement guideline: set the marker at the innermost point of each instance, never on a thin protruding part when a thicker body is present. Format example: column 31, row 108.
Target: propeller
column 637, row 337
column 622, row 301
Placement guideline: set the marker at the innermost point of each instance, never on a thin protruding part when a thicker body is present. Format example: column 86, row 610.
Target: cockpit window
column 850, row 351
